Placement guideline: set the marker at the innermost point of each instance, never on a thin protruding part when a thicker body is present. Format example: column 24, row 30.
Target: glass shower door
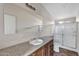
column 69, row 35
column 58, row 33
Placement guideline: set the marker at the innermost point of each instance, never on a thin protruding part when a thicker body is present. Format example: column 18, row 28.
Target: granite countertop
column 23, row 49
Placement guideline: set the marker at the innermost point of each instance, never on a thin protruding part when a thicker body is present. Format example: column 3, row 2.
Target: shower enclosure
column 66, row 32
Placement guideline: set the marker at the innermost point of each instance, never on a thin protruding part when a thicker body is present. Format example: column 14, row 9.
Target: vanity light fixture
column 30, row 6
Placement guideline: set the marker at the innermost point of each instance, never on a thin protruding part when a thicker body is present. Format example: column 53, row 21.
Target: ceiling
column 62, row 10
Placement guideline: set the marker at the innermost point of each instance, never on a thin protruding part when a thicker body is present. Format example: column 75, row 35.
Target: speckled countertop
column 23, row 49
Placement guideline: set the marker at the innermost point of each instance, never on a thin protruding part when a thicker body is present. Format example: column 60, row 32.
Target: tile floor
column 65, row 52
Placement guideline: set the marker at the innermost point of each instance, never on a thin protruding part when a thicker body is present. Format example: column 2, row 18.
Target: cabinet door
column 49, row 49
column 39, row 52
column 69, row 35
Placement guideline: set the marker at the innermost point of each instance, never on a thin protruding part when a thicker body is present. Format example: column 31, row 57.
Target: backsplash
column 23, row 36
column 12, row 39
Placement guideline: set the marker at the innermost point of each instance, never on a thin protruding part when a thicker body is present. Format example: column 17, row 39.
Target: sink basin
column 36, row 42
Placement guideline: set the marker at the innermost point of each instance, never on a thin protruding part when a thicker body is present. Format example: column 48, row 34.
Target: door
column 69, row 35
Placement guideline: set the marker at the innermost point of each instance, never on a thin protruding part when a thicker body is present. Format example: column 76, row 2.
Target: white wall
column 62, row 10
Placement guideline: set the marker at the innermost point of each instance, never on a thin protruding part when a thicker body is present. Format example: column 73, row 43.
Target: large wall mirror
column 25, row 21
column 9, row 24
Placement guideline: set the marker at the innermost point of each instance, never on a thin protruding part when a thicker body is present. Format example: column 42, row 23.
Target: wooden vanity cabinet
column 46, row 50
column 49, row 48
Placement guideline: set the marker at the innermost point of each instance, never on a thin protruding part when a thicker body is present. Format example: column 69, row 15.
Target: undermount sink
column 36, row 42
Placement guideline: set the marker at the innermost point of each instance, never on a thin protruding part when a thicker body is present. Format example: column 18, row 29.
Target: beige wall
column 1, row 18
column 47, row 18
column 24, row 19
column 40, row 10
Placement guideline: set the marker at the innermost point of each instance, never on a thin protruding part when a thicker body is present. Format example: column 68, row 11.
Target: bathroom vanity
column 27, row 49
column 45, row 50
